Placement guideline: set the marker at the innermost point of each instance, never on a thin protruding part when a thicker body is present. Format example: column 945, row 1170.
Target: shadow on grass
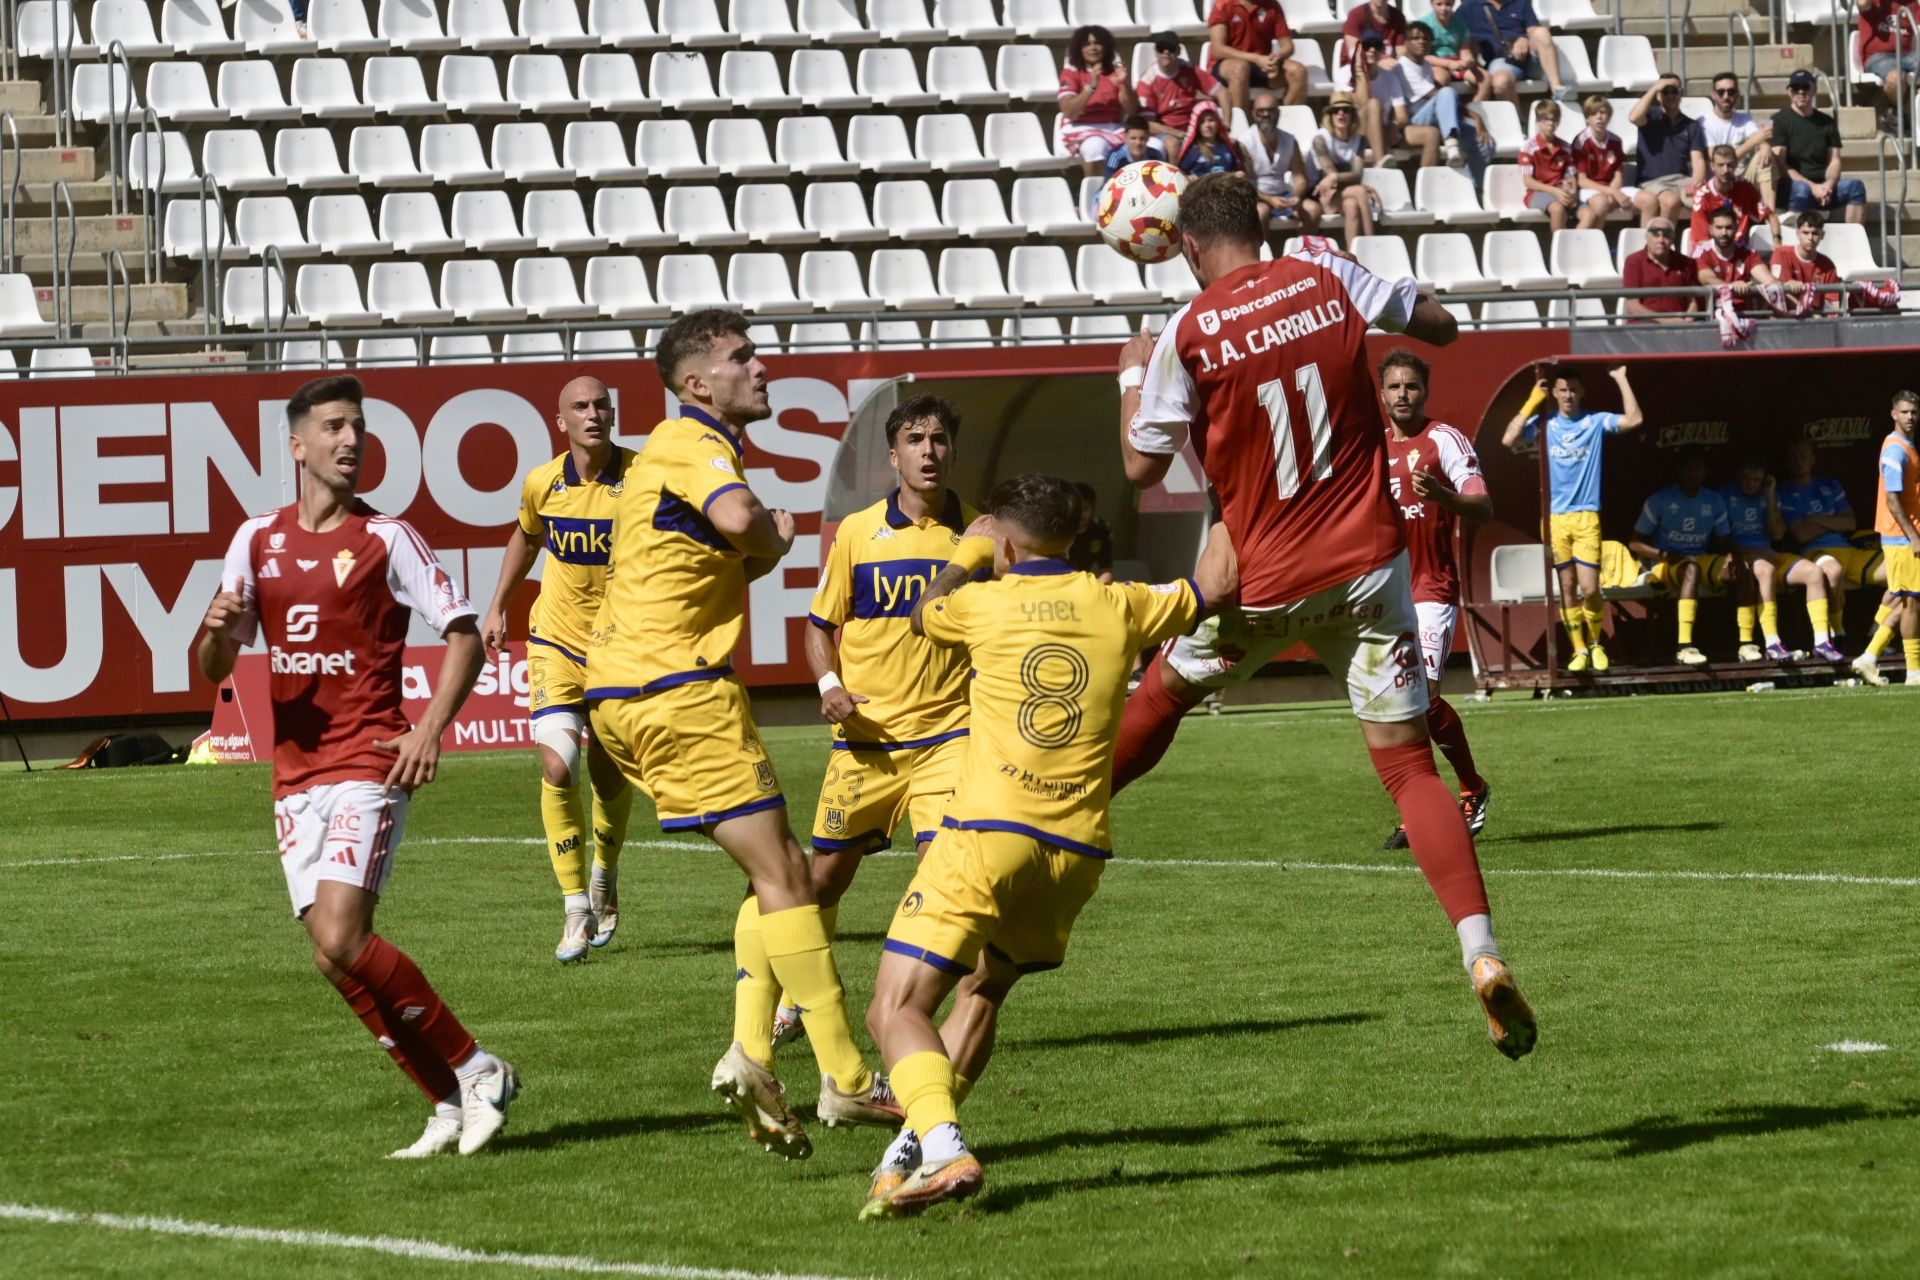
column 1652, row 1135
column 562, row 1135
column 1598, row 833
column 1154, row 1035
column 724, row 946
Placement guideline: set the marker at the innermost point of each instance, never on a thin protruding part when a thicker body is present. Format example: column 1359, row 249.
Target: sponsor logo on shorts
column 836, row 824
column 763, row 775
column 911, row 904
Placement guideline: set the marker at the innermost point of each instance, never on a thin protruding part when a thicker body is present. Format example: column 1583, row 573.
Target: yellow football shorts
column 694, row 749
column 1903, row 570
column 1665, row 574
column 1856, row 563
column 1575, row 537
column 866, row 793
column 1009, row 892
column 556, row 681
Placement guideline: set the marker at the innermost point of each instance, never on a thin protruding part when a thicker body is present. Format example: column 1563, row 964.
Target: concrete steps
column 92, row 234
column 43, row 166
column 22, row 97
column 163, row 300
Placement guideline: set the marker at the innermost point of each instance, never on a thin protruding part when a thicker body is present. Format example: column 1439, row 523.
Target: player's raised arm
column 1517, row 427
column 980, row 548
column 1156, row 404
column 1630, row 418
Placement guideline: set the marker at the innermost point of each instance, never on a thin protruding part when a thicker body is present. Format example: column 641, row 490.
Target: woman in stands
column 1208, row 148
column 1337, row 167
column 1095, row 96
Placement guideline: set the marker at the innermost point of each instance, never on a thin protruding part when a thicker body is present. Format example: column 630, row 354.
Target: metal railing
column 63, row 80
column 118, row 326
column 1840, row 55
column 153, row 192
column 212, row 294
column 271, row 264
column 119, row 124
column 9, row 45
column 1751, row 89
column 63, row 266
column 10, row 191
column 1904, row 21
column 1890, row 249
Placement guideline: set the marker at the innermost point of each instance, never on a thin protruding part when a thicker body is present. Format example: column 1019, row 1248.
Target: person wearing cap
column 1337, row 167
column 1806, row 145
column 1168, row 91
column 1666, row 163
column 1514, row 43
column 1271, row 157
column 1253, row 49
column 1660, row 266
column 1381, row 19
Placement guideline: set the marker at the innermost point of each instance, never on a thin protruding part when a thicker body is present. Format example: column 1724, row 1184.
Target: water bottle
column 1851, row 682
column 1761, row 686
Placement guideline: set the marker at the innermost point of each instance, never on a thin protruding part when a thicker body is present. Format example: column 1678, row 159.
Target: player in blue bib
column 1679, row 530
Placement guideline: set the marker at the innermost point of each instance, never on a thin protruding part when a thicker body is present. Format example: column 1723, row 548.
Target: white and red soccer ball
column 1138, row 213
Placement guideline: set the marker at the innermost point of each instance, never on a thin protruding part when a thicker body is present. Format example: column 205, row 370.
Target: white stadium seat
column 903, row 22
column 323, row 90
column 341, row 26
column 825, row 336
column 808, row 145
column 310, row 354
column 626, row 217
column 1110, row 278
column 256, row 298
column 1183, row 18
column 838, row 211
column 1449, row 197
column 1576, row 71
column 476, row 293
column 968, row 331
column 1583, row 312
column 1583, row 258
column 1114, row 15
column 1015, row 141
column 820, row 80
column 1174, row 278
column 1040, row 274
column 1627, row 64
column 308, row 159
column 197, row 29
column 904, row 206
column 766, row 23
column 401, row 292
column 971, row 276
column 451, row 153
column 270, row 221
column 607, row 342
column 1039, row 20
column 470, row 85
column 891, row 335
column 329, row 293
column 766, row 212
column 831, row 280
column 834, row 22
column 1852, row 253
column 1570, row 15
column 250, row 90
column 759, row 283
column 39, row 24
column 949, row 144
column 695, row 24
column 974, row 208
column 131, row 23
column 596, row 150
column 178, row 91
column 878, row 144
column 739, row 149
column 957, row 74
column 374, row 353
column 698, row 216
column 1506, row 195
column 1385, row 256
column 397, row 86
column 460, row 348
column 162, row 161
column 19, row 311
column 557, row 221
column 889, row 77
column 750, row 79
column 1503, row 127
column 413, row 222
column 538, row 82
column 619, row 288
column 487, row 222
column 524, row 152
column 1027, row 73
column 972, row 20
column 624, row 25
column 902, row 278
column 546, row 288
column 611, row 82
column 381, row 156
column 536, row 344
column 268, row 26
column 1513, row 258
column 1509, row 313
column 555, row 24
column 238, row 161
column 483, row 25
column 414, row 26
column 682, row 83
column 341, row 226
column 1445, row 260
column 1046, row 207
column 61, row 362
column 690, row 282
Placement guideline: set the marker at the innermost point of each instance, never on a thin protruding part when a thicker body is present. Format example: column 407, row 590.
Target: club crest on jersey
column 1209, row 322
column 911, row 904
column 559, row 486
column 305, row 565
column 836, row 824
column 342, row 566
column 277, row 541
column 763, row 775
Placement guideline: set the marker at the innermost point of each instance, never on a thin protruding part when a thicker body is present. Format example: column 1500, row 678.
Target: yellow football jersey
column 878, row 565
column 1051, row 650
column 574, row 519
column 675, row 586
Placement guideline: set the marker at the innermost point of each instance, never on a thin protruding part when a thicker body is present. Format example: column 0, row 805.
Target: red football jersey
column 1438, row 450
column 1251, row 30
column 1789, row 265
column 1547, row 162
column 1170, row 99
column 333, row 609
column 1744, row 200
column 1599, row 161
column 1267, row 372
column 1729, row 270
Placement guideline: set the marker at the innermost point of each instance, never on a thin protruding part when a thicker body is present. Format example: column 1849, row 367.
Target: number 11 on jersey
column 1288, row 472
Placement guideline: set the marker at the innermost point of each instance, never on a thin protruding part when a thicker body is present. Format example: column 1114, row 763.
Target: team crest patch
column 763, row 775
column 277, row 541
column 911, row 904
column 836, row 824
column 342, row 566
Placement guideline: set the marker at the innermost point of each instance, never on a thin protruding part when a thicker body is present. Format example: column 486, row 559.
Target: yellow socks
column 1576, row 626
column 1770, row 620
column 755, row 992
column 961, row 1088
column 1689, row 609
column 924, row 1083
column 829, row 919
column 610, row 815
column 1744, row 615
column 1818, row 616
column 1912, row 650
column 1880, row 615
column 566, row 842
column 1881, row 639
column 1596, row 615
column 802, row 959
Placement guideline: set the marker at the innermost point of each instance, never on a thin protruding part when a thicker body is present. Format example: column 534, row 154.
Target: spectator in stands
column 1801, row 267
column 1168, row 91
column 1434, row 105
column 1337, row 167
column 1725, row 190
column 1678, row 531
column 1379, row 18
column 1601, row 161
column 1092, row 551
column 1136, row 145
column 1253, row 49
column 1546, row 166
column 1453, row 58
column 1094, row 98
column 1806, row 142
column 1272, row 159
column 1661, row 266
column 1514, row 44
column 1728, row 126
column 1666, row 167
column 1726, row 259
column 1208, row 149
column 1382, row 95
column 1893, row 55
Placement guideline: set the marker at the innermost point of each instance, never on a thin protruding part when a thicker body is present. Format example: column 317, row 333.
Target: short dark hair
column 1420, row 29
column 1724, row 211
column 336, row 386
column 1045, row 508
column 1401, row 358
column 1567, row 374
column 1132, row 122
column 1811, row 218
column 1221, row 206
column 1905, row 397
column 1723, row 151
column 920, row 408
column 1725, row 75
column 691, row 335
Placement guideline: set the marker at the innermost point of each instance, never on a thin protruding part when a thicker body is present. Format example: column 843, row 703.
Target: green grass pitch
column 1246, row 1068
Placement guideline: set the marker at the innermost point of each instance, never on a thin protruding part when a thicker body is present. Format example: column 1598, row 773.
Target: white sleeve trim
column 1165, row 416
column 1457, row 457
column 416, row 578
column 236, row 575
column 1387, row 304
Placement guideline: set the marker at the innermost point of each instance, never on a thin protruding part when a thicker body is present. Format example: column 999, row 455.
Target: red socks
column 409, row 1001
column 1436, row 831
column 1147, row 725
column 1450, row 735
column 422, row 1065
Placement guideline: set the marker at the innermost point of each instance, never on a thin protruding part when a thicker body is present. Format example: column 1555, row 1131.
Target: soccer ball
column 1139, row 211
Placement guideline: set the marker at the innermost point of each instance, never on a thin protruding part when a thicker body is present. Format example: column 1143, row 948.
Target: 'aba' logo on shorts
column 911, row 904
column 763, row 774
column 836, row 822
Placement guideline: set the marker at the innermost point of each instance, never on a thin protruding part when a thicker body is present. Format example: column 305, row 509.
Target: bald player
column 566, row 507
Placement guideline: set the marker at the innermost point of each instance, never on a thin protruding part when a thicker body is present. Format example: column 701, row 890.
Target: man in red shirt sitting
column 1726, row 260
column 1170, row 88
column 1802, row 267
column 1253, row 49
column 1660, row 265
column 1725, row 189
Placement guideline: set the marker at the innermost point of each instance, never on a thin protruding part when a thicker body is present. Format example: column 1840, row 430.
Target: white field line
column 1858, row 1046
column 392, row 1246
column 1172, row 864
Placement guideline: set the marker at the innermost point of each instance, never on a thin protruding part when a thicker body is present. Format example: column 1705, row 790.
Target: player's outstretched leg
column 907, row 990
column 831, row 872
column 1450, row 735
column 612, row 809
column 744, row 1075
column 1150, row 720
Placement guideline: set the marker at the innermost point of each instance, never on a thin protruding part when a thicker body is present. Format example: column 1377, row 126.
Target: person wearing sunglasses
column 1666, row 162
column 1660, row 266
column 1728, row 126
column 1806, row 144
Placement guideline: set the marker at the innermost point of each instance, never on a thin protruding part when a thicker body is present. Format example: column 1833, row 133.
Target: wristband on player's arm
column 974, row 554
column 1534, row 401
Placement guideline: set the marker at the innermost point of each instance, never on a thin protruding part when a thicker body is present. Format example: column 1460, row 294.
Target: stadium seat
column 968, row 331
column 970, row 20
column 1631, row 240
column 1570, row 15
column 824, row 336
column 767, row 24
column 162, row 161
column 263, row 221
column 557, row 221
column 555, row 24
column 608, row 342
column 310, row 354
column 667, row 149
column 1040, row 274
column 808, row 145
column 695, row 24
column 382, row 156
column 739, row 149
column 61, row 362
column 905, row 208
column 537, row 344
column 474, row 290
column 1385, row 256
column 891, row 335
column 1627, row 64
column 1503, row 128
column 1396, row 203
column 341, row 26
column 973, row 207
column 38, row 24
column 820, row 81
column 460, row 348
column 328, row 293
column 396, row 86
column 1518, row 573
column 903, row 22
column 195, row 28
column 889, row 77
column 1114, row 15
column 626, row 217
column 470, row 85
column 1040, row 20
column 750, row 79
column 838, row 211
column 373, row 353
column 538, row 82
column 1173, row 278
column 1576, row 70
column 1110, row 278
column 831, row 280
column 238, row 161
column 971, row 276
column 267, row 26
column 341, row 226
column 414, row 26
column 524, row 152
column 256, row 298
column 949, row 144
column 690, row 282
column 1513, row 258
column 483, row 25
column 1091, row 329
column 1445, row 260
column 698, row 216
column 1027, row 73
column 307, row 159
column 1306, row 51
column 451, row 153
column 19, row 312
column 835, row 22
column 487, row 222
column 1014, row 139
column 546, row 288
column 1449, row 197
column 178, row 91
column 760, row 283
column 611, row 82
column 1509, row 313
column 624, row 24
column 1577, row 312
column 1852, row 253
column 131, row 23
column 903, row 279
column 1183, row 17
column 766, row 212
column 957, row 74
column 1015, row 330
column 1045, row 207
column 597, row 151
column 413, row 222
column 400, row 292
column 618, row 287
column 250, row 90
column 1506, row 195
column 1583, row 258
column 323, row 90
column 878, row 144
